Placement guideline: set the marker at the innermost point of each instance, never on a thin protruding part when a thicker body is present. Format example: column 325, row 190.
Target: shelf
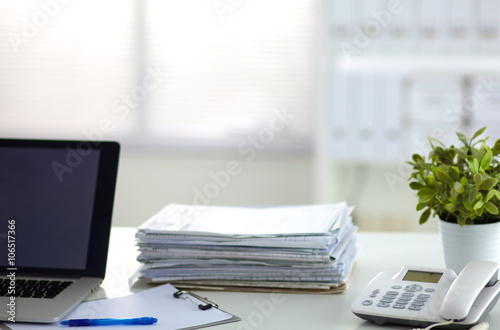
column 459, row 65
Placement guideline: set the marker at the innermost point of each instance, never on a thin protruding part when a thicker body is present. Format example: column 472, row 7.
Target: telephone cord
column 480, row 326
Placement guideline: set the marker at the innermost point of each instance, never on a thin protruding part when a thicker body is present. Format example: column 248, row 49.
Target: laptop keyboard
column 33, row 288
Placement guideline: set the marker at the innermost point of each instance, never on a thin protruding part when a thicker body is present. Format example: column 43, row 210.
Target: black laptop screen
column 50, row 195
column 60, row 195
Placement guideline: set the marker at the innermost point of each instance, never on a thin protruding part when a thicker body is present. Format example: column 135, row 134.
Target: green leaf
column 451, row 153
column 440, row 153
column 430, row 139
column 450, row 207
column 479, row 132
column 461, row 220
column 486, row 160
column 416, row 158
column 425, row 198
column 472, row 195
column 478, row 179
column 481, row 152
column 444, row 177
column 454, row 172
column 425, row 192
column 430, row 142
column 458, row 187
column 474, row 165
column 496, row 148
column 416, row 185
column 464, row 139
column 478, row 205
column 463, row 181
column 480, row 212
column 421, row 206
column 467, row 205
column 488, row 184
column 490, row 195
column 425, row 216
column 491, row 208
column 459, row 151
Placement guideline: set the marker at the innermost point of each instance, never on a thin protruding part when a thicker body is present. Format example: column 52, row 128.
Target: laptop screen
column 51, row 191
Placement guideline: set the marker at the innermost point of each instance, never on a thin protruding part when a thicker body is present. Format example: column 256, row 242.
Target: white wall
column 381, row 196
column 149, row 180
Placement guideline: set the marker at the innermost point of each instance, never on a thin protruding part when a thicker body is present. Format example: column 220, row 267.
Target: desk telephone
column 419, row 296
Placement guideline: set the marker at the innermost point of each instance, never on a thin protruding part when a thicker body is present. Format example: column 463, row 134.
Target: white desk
column 379, row 251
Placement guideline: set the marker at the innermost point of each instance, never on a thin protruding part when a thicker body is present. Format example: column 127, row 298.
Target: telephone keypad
column 409, row 299
column 413, row 288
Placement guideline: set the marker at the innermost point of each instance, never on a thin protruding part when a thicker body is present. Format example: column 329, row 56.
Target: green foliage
column 458, row 184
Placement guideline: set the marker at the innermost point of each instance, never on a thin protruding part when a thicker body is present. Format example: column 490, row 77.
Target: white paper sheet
column 182, row 219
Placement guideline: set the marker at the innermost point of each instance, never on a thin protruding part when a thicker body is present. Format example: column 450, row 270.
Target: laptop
column 56, row 202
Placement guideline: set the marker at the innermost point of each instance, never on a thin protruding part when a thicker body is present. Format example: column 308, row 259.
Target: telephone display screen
column 419, row 276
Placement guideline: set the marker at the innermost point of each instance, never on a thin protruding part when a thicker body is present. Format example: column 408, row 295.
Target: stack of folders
column 280, row 249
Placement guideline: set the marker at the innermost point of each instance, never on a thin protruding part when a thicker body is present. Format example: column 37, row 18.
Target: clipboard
column 172, row 312
column 207, row 304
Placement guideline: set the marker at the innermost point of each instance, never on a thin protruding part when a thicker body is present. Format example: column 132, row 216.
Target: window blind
column 162, row 72
column 62, row 64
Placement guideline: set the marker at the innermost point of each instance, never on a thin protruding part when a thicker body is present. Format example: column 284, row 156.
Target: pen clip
column 208, row 304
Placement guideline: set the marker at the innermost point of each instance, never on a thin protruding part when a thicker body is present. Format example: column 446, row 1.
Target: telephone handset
column 419, row 296
column 466, row 288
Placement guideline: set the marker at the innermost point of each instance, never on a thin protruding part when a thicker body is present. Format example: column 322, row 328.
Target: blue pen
column 89, row 322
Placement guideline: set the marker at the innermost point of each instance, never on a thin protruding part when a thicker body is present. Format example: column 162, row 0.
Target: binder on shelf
column 445, row 15
column 339, row 23
column 366, row 116
column 353, row 110
column 379, row 109
column 431, row 27
column 403, row 28
column 376, row 21
column 484, row 109
column 459, row 25
column 431, row 95
column 339, row 134
column 393, row 124
column 488, row 26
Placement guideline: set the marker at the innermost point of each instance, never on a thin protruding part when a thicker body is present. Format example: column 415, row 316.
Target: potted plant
column 460, row 185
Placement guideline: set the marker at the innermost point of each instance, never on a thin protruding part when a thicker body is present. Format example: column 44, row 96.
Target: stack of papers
column 296, row 248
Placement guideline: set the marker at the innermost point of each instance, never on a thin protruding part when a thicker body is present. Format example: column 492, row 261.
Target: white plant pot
column 470, row 242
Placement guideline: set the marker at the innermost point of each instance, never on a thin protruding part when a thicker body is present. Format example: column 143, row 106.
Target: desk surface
column 379, row 252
